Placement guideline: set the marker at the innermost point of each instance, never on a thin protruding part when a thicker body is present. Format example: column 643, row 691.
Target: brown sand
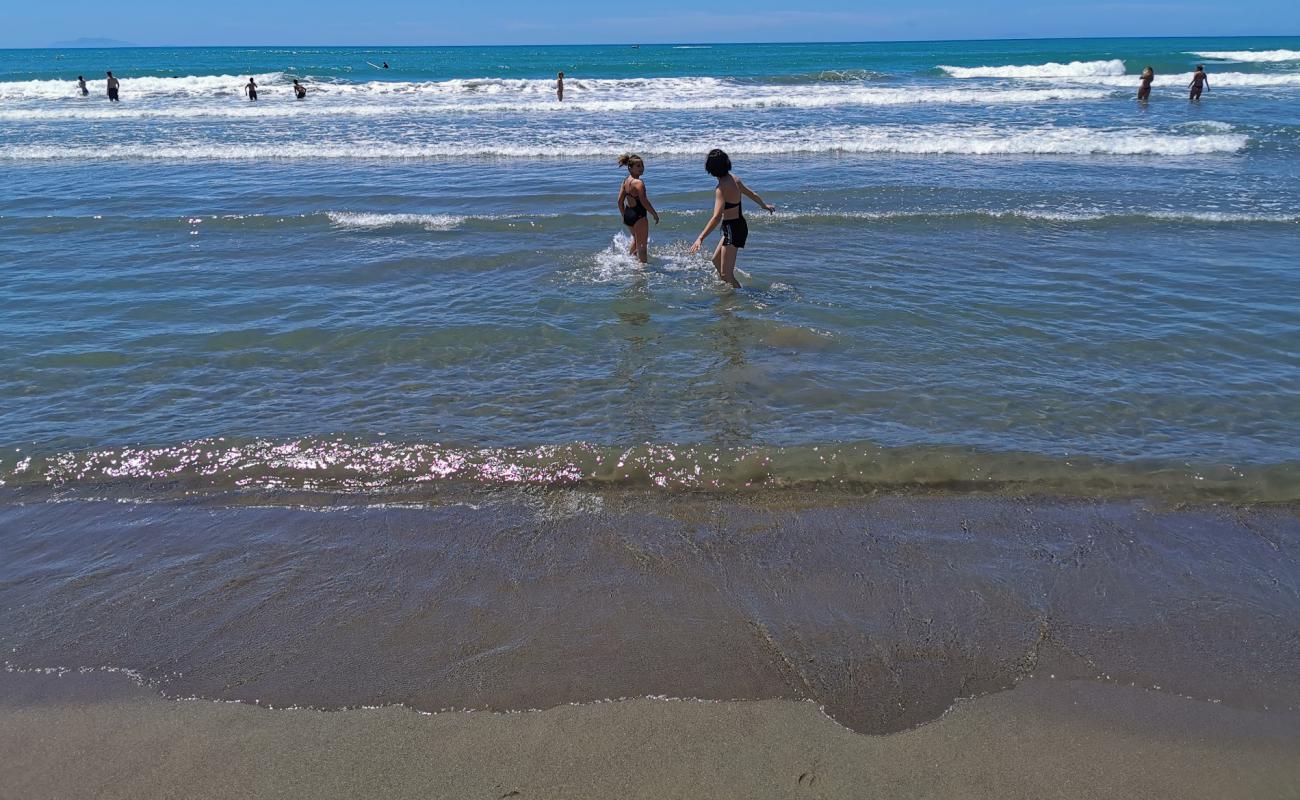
column 95, row 735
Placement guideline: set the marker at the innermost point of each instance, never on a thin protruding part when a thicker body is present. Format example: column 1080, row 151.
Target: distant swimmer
column 633, row 203
column 112, row 85
column 81, row 84
column 251, row 89
column 726, row 210
column 559, row 87
column 1144, row 90
column 299, row 91
column 1199, row 81
column 385, row 65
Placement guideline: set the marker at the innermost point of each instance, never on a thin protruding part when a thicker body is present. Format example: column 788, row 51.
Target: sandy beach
column 96, row 735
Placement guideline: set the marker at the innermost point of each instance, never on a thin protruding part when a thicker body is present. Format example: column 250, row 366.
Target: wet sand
column 99, row 736
column 882, row 610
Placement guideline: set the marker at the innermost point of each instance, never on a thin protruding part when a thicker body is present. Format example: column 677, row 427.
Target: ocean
column 993, row 277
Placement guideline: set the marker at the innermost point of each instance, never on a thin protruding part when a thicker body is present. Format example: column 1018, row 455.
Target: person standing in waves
column 633, row 203
column 112, row 84
column 1200, row 81
column 726, row 211
column 1144, row 90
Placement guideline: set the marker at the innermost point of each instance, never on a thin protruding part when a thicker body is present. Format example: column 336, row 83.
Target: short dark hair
column 717, row 164
column 1200, row 67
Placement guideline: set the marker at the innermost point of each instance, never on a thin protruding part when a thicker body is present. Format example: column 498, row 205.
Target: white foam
column 615, row 264
column 1053, row 215
column 222, row 97
column 135, row 88
column 1217, row 79
column 1249, row 56
column 601, row 142
column 430, row 222
column 1049, row 70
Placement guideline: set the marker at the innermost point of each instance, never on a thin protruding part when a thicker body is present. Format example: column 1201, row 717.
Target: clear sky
column 412, row 22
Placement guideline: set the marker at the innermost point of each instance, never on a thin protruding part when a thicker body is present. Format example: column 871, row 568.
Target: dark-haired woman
column 634, row 203
column 726, row 211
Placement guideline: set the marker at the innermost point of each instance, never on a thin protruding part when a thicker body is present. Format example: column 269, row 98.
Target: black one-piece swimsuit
column 633, row 214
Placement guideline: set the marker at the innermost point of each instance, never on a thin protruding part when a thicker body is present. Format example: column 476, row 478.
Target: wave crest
column 1250, row 56
column 1052, row 69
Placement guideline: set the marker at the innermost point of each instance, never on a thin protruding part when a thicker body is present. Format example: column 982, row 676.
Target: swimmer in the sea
column 559, row 87
column 385, row 65
column 299, row 91
column 250, row 89
column 112, row 85
column 81, row 86
column 1200, row 81
column 1144, row 90
column 726, row 210
column 633, row 203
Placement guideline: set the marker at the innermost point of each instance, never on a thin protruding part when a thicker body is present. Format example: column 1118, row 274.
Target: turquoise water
column 989, row 266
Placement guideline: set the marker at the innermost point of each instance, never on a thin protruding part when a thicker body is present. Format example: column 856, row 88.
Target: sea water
column 989, row 266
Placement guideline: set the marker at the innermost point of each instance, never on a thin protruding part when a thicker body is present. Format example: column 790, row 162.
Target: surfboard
column 373, row 64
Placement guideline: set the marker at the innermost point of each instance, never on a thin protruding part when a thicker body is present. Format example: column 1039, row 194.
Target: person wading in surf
column 559, row 87
column 299, row 91
column 112, row 85
column 250, row 89
column 1199, row 81
column 81, row 86
column 726, row 210
column 633, row 203
column 1144, row 90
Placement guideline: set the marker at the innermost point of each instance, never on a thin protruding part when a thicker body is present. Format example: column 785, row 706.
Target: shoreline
column 97, row 735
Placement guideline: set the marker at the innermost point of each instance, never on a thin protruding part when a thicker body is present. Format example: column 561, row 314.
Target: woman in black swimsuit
column 726, row 210
column 633, row 203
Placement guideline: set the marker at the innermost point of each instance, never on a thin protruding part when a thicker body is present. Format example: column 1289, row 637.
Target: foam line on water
column 579, row 142
column 1249, row 56
column 430, row 222
column 666, row 94
column 1051, row 69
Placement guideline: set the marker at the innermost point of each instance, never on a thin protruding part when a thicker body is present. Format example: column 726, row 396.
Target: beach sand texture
column 96, row 736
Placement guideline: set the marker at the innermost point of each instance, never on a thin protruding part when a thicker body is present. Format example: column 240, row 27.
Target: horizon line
column 654, row 43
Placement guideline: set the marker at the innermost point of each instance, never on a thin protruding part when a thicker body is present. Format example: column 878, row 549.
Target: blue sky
column 407, row 22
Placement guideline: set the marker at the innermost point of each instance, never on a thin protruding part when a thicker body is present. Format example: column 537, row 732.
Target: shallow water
column 1023, row 266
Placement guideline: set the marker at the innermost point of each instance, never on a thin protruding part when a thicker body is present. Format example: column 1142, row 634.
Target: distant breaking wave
column 1075, row 69
column 1247, row 56
column 224, row 98
column 1118, row 78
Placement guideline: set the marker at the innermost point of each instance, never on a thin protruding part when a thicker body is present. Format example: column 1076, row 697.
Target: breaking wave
column 1075, row 69
column 1250, row 56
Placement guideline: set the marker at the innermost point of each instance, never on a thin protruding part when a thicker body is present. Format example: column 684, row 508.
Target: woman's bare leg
column 727, row 270
column 717, row 259
column 641, row 239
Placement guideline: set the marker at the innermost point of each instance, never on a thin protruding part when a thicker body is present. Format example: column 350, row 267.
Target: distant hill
column 90, row 41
